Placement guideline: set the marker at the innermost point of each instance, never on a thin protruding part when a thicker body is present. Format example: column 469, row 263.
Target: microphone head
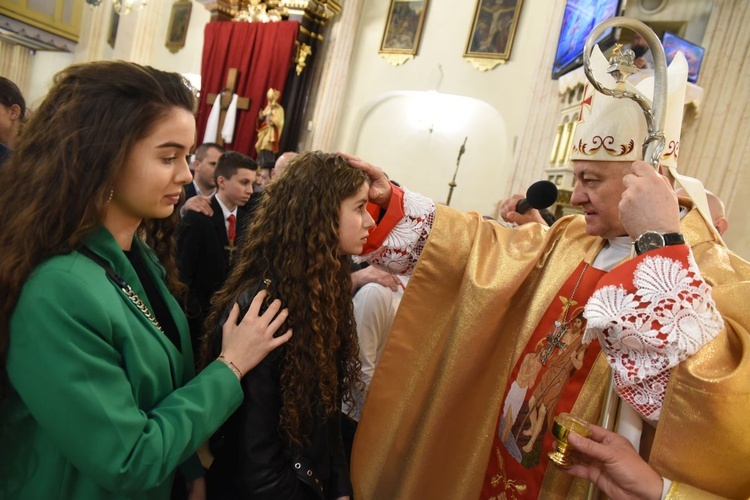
column 541, row 194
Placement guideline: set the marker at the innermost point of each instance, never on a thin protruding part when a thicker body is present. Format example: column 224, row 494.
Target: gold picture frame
column 178, row 25
column 403, row 30
column 492, row 33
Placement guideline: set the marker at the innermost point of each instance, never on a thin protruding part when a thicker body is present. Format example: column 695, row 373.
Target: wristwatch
column 651, row 240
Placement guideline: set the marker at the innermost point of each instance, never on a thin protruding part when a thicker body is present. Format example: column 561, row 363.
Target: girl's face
column 155, row 171
column 354, row 222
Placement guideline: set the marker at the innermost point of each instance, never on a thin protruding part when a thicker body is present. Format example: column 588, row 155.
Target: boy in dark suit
column 206, row 245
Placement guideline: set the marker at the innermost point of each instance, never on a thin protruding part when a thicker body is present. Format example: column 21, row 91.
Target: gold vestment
column 474, row 299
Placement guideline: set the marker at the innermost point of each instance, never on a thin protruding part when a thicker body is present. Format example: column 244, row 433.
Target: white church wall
column 43, row 68
column 423, row 132
column 439, row 66
column 188, row 58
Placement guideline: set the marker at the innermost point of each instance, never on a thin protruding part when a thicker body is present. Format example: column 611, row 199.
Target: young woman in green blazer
column 99, row 396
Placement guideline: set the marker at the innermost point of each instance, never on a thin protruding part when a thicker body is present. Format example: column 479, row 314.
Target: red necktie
column 232, row 230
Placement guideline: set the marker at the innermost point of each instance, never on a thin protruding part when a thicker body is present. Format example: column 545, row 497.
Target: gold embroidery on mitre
column 598, row 142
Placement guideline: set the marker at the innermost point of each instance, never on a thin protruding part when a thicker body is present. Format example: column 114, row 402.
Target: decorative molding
column 225, row 10
column 483, row 64
column 49, row 16
column 396, row 59
column 20, row 33
column 303, row 52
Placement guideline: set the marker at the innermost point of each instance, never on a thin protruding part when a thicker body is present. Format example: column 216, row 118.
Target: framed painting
column 492, row 32
column 403, row 30
column 178, row 25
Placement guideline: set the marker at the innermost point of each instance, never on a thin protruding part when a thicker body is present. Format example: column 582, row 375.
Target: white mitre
column 614, row 129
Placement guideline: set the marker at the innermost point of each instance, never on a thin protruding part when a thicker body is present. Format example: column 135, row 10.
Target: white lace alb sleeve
column 645, row 333
column 404, row 244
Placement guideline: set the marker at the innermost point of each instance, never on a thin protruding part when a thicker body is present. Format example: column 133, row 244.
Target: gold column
column 553, row 156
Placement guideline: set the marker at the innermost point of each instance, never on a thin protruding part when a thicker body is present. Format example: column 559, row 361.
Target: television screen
column 692, row 52
column 581, row 16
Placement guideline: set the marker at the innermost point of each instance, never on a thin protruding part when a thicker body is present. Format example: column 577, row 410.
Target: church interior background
column 412, row 114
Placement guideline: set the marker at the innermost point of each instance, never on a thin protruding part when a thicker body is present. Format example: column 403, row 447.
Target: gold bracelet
column 231, row 366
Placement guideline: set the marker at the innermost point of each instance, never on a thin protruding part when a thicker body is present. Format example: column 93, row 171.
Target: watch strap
column 667, row 238
column 673, row 239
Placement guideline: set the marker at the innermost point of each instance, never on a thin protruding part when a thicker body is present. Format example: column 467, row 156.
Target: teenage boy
column 207, row 245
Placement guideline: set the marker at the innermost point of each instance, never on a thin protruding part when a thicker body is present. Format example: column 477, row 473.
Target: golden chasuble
column 545, row 381
column 475, row 298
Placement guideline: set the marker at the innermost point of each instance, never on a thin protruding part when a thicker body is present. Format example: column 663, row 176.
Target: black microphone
column 540, row 195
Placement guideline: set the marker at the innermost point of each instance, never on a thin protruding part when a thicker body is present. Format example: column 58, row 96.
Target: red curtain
column 262, row 54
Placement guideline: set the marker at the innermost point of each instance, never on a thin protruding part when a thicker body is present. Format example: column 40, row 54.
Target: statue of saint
column 270, row 125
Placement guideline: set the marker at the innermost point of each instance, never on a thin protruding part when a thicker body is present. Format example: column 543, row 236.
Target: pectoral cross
column 243, row 103
column 553, row 340
column 561, row 326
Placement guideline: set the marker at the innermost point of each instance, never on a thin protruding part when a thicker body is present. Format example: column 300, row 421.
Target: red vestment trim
column 394, row 213
column 536, row 392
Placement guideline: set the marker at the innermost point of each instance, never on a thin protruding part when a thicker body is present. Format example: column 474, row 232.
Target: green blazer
column 102, row 405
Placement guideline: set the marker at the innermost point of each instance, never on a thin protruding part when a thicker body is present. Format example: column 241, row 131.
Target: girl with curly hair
column 99, row 399
column 289, row 445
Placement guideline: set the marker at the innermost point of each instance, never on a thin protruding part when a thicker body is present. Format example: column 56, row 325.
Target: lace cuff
column 649, row 315
column 403, row 245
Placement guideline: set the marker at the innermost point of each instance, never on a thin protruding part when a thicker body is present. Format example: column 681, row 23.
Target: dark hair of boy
column 229, row 162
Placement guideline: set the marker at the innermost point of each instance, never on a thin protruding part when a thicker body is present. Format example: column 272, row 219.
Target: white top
column 227, row 213
column 375, row 308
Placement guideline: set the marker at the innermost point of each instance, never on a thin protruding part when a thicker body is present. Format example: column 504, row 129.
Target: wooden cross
column 243, row 103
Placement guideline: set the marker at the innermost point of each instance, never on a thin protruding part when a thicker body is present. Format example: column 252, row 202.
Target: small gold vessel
column 562, row 426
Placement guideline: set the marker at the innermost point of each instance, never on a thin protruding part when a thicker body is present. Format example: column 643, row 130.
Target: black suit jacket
column 203, row 260
column 190, row 190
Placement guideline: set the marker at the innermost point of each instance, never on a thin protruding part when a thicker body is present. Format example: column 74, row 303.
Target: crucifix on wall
column 243, row 103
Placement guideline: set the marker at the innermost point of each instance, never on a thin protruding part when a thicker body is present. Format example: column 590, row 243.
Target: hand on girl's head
column 380, row 187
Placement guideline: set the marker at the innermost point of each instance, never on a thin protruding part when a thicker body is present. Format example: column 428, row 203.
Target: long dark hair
column 293, row 242
column 60, row 175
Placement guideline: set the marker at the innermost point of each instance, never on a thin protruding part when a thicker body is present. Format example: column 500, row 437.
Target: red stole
column 545, row 381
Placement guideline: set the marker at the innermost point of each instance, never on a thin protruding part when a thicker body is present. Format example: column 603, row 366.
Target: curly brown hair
column 293, row 242
column 60, row 175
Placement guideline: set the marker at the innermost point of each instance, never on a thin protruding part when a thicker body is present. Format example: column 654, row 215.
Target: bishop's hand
column 509, row 214
column 648, row 202
column 380, row 189
column 610, row 462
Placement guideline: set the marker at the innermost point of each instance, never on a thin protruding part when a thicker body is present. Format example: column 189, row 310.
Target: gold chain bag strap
column 122, row 285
